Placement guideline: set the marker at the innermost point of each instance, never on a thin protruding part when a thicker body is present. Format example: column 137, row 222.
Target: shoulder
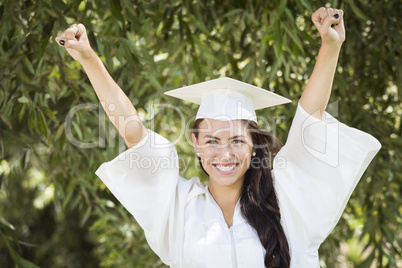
column 191, row 188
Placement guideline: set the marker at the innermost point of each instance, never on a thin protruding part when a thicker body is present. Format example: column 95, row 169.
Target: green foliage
column 54, row 212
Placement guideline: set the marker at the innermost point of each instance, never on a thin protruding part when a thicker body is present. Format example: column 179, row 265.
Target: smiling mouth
column 225, row 168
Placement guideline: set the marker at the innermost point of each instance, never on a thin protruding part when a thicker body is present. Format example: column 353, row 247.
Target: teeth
column 225, row 168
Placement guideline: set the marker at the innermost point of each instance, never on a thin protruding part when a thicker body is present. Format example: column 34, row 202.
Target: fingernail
column 336, row 16
column 62, row 42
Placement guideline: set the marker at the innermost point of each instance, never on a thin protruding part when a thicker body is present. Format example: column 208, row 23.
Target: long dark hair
column 258, row 201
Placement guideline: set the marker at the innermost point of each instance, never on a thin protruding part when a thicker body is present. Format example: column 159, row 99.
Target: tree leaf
column 233, row 12
column 77, row 130
column 28, row 64
column 281, row 7
column 292, row 33
column 42, row 124
column 23, row 100
column 6, row 224
column 47, row 29
column 357, row 10
column 27, row 264
column 306, row 4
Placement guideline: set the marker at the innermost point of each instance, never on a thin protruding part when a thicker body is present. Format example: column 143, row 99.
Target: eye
column 237, row 141
column 212, row 142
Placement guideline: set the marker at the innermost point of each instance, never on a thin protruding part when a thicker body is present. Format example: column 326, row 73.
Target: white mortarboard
column 227, row 99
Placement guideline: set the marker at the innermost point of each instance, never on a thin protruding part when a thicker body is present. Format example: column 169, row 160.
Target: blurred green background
column 55, row 212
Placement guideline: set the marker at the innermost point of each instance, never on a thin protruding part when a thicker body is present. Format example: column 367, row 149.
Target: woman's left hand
column 331, row 28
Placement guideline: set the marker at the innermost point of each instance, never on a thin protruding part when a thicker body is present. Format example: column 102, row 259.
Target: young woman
column 250, row 214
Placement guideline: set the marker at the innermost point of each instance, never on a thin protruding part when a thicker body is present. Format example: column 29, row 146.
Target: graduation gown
column 314, row 175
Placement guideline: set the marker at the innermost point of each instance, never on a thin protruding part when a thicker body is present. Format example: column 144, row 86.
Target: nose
column 225, row 152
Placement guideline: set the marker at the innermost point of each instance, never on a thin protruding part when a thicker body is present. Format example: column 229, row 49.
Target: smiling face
column 225, row 149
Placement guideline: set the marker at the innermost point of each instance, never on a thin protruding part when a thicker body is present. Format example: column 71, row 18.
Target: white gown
column 314, row 175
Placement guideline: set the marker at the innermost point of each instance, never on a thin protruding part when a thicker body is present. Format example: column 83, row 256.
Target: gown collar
column 237, row 216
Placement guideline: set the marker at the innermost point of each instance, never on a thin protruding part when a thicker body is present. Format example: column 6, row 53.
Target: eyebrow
column 231, row 138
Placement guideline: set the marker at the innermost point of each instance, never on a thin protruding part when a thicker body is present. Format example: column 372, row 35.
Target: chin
column 225, row 180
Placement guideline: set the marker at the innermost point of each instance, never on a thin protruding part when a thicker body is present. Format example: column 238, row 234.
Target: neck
column 225, row 196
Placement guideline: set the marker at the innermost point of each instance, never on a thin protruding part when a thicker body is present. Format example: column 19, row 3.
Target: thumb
column 80, row 46
column 331, row 20
column 73, row 44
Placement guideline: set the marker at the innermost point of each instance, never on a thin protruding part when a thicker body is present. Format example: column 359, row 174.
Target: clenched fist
column 75, row 40
column 329, row 23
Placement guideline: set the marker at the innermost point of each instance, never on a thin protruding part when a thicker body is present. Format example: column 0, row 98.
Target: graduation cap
column 227, row 99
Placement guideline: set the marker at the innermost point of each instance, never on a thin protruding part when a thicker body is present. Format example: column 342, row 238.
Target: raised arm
column 318, row 90
column 115, row 102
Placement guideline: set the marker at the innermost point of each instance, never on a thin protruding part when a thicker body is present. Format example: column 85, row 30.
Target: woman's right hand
column 75, row 40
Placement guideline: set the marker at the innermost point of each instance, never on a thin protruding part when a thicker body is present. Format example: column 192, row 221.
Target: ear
column 195, row 141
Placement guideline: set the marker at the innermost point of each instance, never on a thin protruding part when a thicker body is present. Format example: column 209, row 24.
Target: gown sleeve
column 145, row 179
column 314, row 175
